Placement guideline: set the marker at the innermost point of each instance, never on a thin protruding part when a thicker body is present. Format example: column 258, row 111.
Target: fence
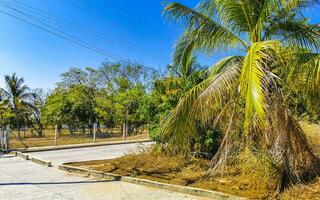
column 4, row 139
column 63, row 135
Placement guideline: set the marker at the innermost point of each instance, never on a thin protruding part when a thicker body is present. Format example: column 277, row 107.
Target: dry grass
column 177, row 170
column 65, row 139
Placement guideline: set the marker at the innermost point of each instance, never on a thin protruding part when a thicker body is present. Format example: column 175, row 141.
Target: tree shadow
column 58, row 183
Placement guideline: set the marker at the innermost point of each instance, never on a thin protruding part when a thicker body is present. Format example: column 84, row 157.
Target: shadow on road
column 55, row 183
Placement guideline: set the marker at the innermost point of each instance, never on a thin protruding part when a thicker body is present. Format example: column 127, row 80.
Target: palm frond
column 179, row 129
column 202, row 30
column 253, row 82
column 225, row 75
column 183, row 52
column 290, row 5
column 295, row 32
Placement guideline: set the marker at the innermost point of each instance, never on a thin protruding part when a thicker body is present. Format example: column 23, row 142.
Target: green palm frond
column 225, row 75
column 179, row 129
column 302, row 76
column 253, row 81
column 295, row 32
column 183, row 52
column 290, row 5
column 240, row 15
column 202, row 30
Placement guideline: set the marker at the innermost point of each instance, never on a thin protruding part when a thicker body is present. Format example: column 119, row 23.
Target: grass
column 78, row 138
column 175, row 170
column 155, row 166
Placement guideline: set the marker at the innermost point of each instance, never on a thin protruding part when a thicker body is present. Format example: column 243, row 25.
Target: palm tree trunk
column 290, row 149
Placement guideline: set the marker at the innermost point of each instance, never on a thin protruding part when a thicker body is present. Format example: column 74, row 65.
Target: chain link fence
column 25, row 138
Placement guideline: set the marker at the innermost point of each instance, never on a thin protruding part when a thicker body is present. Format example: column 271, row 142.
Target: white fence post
column 94, row 132
column 7, row 138
column 1, row 139
column 56, row 135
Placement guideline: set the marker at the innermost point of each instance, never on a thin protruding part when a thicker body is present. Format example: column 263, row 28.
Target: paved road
column 90, row 153
column 24, row 180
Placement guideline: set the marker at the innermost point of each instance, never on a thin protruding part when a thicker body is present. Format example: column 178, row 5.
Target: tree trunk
column 71, row 130
column 59, row 130
column 289, row 148
column 286, row 143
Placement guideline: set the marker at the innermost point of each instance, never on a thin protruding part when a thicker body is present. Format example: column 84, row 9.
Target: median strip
column 175, row 188
column 22, row 155
column 33, row 159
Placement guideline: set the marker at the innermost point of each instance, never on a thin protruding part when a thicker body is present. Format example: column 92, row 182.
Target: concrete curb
column 33, row 159
column 175, row 188
column 75, row 146
column 22, row 155
column 41, row 162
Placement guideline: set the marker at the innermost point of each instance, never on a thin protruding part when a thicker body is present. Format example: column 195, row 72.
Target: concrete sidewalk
column 24, row 180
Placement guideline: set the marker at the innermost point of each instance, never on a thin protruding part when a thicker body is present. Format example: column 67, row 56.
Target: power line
column 62, row 34
column 68, row 38
column 98, row 14
column 83, row 30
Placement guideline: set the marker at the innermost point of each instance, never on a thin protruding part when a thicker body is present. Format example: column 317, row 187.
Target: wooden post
column 56, row 135
column 95, row 125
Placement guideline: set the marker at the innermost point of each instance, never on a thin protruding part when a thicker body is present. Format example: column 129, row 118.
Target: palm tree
column 185, row 69
column 275, row 44
column 17, row 94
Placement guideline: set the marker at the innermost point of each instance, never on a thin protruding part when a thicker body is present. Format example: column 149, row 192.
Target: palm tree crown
column 17, row 94
column 268, row 34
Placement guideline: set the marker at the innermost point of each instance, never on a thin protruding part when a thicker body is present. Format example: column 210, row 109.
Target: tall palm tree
column 274, row 42
column 18, row 94
column 186, row 68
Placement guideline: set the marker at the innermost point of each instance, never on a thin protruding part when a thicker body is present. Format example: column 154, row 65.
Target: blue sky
column 134, row 30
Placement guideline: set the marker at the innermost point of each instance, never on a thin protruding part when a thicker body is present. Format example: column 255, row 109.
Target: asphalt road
column 24, row 180
column 58, row 157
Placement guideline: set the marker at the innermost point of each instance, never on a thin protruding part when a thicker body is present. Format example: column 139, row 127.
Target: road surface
column 58, row 157
column 24, row 180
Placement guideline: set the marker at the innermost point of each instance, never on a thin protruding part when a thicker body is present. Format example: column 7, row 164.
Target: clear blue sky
column 134, row 30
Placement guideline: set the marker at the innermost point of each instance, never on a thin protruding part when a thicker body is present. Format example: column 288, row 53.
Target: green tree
column 269, row 36
column 18, row 95
column 34, row 112
column 125, row 86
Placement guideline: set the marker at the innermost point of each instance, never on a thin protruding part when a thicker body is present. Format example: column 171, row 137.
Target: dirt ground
column 191, row 172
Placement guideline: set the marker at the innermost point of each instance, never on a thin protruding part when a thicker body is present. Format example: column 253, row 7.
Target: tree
column 126, row 85
column 244, row 89
column 88, row 83
column 34, row 111
column 18, row 95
